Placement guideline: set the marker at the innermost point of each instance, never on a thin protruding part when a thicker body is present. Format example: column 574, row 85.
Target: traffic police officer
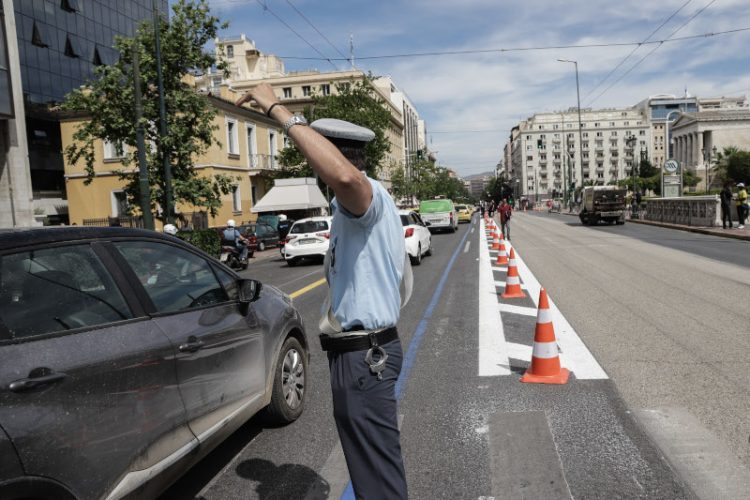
column 364, row 268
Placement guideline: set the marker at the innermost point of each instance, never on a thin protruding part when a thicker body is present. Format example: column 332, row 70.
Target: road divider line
column 466, row 248
column 492, row 352
column 502, row 283
column 510, row 308
column 307, row 288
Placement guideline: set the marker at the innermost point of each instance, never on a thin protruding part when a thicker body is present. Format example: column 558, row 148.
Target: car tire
column 428, row 253
column 261, row 246
column 289, row 389
column 417, row 259
column 291, row 262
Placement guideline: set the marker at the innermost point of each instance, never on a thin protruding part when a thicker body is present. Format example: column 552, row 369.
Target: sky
column 471, row 101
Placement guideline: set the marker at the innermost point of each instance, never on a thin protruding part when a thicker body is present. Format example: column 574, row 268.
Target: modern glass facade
column 60, row 42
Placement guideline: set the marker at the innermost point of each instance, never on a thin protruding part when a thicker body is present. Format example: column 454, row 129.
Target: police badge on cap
column 349, row 138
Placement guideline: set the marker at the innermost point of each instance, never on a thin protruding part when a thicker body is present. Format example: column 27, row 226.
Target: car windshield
column 310, row 226
column 432, row 206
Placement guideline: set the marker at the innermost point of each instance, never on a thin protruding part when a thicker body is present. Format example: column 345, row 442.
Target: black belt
column 362, row 342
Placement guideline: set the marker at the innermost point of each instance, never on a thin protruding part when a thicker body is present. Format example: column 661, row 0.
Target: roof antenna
column 351, row 49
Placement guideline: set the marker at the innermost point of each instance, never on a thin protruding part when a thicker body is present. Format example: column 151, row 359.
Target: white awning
column 292, row 194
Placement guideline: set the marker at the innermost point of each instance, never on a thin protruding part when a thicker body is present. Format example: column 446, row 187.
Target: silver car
column 126, row 356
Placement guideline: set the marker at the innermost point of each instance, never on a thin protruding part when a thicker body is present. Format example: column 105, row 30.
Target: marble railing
column 687, row 210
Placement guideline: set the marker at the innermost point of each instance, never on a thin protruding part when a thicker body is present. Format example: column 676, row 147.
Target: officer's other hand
column 262, row 94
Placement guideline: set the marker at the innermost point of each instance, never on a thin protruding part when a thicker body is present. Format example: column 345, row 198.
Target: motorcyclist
column 232, row 237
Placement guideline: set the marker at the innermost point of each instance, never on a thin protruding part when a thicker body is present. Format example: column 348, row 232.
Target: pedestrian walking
column 726, row 206
column 364, row 269
column 742, row 207
column 505, row 213
column 492, row 208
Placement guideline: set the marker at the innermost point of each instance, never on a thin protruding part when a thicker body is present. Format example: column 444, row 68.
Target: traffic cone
column 545, row 357
column 496, row 242
column 502, row 256
column 512, row 281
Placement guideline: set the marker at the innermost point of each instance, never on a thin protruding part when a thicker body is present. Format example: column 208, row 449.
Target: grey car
column 126, row 356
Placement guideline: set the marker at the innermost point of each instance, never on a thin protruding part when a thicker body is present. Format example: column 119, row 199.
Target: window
column 585, row 135
column 39, row 35
column 230, row 50
column 287, row 92
column 236, row 199
column 611, row 124
column 599, row 134
column 613, row 133
column 252, row 159
column 529, row 158
column 114, row 150
column 306, row 90
column 311, row 226
column 555, row 126
column 119, row 201
column 541, row 127
column 626, row 124
column 232, row 142
column 174, row 279
column 596, row 124
column 254, row 195
column 69, row 5
column 528, row 147
column 325, row 89
column 642, row 132
column 528, row 137
column 272, row 148
column 56, row 289
column 72, row 47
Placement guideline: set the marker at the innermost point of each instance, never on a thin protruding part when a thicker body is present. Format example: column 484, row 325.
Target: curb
column 698, row 230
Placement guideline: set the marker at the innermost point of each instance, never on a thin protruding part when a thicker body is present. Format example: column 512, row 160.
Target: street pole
column 580, row 133
column 669, row 154
column 168, row 211
column 567, row 160
column 145, row 188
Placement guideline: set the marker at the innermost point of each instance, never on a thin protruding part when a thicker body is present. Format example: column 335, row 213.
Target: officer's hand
column 263, row 94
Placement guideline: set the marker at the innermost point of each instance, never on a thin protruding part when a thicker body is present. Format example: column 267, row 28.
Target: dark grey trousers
column 367, row 420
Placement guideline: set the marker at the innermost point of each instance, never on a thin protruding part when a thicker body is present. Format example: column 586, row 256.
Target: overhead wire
column 619, row 65
column 278, row 18
column 699, row 12
column 529, row 49
column 303, row 16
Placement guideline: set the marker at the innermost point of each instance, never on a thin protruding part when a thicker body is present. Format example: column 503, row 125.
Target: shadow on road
column 288, row 481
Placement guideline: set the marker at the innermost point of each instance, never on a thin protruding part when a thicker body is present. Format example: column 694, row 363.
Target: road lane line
column 317, row 271
column 492, row 351
column 307, row 288
column 510, row 308
column 466, row 248
column 502, row 283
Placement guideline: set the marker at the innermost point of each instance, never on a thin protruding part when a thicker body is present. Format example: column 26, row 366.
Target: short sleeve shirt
column 366, row 263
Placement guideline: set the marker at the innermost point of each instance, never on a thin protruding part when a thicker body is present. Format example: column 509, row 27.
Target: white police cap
column 340, row 129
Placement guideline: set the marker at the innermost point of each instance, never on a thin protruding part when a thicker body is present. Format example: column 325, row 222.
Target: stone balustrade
column 702, row 211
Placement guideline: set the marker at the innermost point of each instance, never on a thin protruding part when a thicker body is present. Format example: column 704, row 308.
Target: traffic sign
column 671, row 166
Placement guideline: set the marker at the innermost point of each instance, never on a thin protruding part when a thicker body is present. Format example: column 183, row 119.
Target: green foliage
column 738, row 166
column 207, row 240
column 646, row 169
column 427, row 181
column 355, row 102
column 108, row 104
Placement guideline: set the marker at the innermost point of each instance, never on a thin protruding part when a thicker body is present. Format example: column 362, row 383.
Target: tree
column 108, row 104
column 354, row 102
column 738, row 166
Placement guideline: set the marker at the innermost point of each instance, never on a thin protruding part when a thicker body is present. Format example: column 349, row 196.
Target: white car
column 418, row 237
column 307, row 238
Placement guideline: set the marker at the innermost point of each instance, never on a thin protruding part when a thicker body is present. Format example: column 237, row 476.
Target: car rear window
column 405, row 220
column 311, row 226
column 460, row 207
column 56, row 289
column 432, row 206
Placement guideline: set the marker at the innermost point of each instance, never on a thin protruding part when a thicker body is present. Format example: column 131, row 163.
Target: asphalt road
column 654, row 312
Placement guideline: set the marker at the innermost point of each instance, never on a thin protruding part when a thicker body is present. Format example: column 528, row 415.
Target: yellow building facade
column 245, row 148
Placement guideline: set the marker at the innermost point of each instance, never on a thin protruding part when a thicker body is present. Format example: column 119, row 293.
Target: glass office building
column 60, row 42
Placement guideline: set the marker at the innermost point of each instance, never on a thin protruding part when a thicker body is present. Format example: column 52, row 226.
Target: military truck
column 603, row 203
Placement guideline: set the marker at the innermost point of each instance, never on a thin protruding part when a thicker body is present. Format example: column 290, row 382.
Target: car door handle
column 191, row 345
column 25, row 384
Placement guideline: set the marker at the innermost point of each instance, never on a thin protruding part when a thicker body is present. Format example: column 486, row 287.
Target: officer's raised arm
column 351, row 187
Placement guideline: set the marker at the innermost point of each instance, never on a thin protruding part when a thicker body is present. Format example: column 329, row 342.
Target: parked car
column 307, row 238
column 265, row 236
column 464, row 213
column 440, row 213
column 418, row 237
column 126, row 356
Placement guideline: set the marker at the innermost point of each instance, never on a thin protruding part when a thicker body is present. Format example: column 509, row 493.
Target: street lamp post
column 669, row 153
column 708, row 156
column 580, row 134
column 630, row 143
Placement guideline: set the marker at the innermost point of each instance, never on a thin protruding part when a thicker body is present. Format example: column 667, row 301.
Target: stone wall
column 702, row 211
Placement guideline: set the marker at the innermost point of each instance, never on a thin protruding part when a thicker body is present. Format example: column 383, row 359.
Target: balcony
column 263, row 162
column 557, row 161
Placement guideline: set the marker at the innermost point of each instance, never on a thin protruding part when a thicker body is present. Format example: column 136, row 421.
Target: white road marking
column 466, row 248
column 574, row 352
column 493, row 353
column 510, row 308
column 502, row 283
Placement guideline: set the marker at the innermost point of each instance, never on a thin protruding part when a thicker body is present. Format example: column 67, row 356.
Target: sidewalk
column 734, row 233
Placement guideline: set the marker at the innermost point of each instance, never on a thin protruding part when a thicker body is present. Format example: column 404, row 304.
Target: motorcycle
column 231, row 257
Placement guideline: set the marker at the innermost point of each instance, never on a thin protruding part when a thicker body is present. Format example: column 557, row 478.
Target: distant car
column 307, row 238
column 418, row 238
column 440, row 213
column 464, row 213
column 265, row 235
column 127, row 355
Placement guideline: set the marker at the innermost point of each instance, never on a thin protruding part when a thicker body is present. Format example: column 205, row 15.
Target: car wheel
column 429, row 248
column 291, row 262
column 417, row 259
column 261, row 246
column 289, row 384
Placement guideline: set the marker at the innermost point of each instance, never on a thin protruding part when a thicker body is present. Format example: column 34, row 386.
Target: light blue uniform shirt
column 366, row 263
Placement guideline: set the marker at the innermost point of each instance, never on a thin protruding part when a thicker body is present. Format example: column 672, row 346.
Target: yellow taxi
column 464, row 213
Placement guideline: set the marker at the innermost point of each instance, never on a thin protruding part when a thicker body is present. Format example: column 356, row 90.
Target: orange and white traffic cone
column 512, row 281
column 545, row 357
column 496, row 242
column 502, row 256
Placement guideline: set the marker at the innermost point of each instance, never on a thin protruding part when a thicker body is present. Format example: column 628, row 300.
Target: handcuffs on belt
column 376, row 366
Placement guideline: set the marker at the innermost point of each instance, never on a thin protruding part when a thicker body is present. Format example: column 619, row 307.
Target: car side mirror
column 427, row 224
column 249, row 290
